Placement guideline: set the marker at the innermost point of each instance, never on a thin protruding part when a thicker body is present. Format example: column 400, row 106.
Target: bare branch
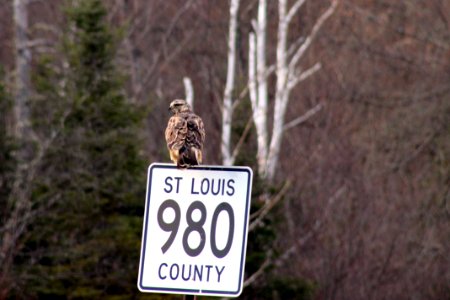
column 35, row 43
column 241, row 96
column 293, row 10
column 294, row 46
column 157, row 57
column 174, row 22
column 268, row 205
column 299, row 243
column 317, row 225
column 302, row 49
column 162, row 52
column 258, row 273
column 48, row 28
column 303, row 118
column 295, row 79
column 270, row 70
column 427, row 38
column 247, row 128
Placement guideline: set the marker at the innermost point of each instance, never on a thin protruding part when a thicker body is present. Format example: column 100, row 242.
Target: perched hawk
column 185, row 135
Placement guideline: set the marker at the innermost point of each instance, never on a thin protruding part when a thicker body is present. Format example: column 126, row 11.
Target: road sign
column 195, row 230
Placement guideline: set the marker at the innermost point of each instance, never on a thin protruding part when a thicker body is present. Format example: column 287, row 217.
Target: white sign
column 195, row 230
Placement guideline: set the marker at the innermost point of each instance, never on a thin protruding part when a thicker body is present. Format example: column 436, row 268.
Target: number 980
column 196, row 226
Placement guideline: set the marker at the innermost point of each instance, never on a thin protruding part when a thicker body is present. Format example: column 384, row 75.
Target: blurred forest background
column 342, row 108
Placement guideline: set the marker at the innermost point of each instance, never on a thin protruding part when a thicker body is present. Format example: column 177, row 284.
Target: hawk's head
column 179, row 105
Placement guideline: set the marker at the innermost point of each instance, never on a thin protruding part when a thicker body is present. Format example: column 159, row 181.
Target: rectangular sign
column 195, row 230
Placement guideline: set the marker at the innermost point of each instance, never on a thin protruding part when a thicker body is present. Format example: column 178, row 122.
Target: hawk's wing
column 196, row 132
column 176, row 132
column 194, row 140
column 185, row 135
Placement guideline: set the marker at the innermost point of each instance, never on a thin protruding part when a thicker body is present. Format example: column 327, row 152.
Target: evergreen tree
column 91, row 183
column 7, row 162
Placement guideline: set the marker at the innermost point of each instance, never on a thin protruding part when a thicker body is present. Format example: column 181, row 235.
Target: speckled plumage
column 185, row 135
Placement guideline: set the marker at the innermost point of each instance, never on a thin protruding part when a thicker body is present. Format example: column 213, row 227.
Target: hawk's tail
column 187, row 157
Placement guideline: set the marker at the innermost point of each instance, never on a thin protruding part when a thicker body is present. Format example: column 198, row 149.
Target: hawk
column 185, row 135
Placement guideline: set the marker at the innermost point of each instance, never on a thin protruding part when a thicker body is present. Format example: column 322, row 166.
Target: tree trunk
column 189, row 91
column 281, row 93
column 23, row 59
column 261, row 78
column 227, row 110
column 288, row 76
column 258, row 85
column 19, row 202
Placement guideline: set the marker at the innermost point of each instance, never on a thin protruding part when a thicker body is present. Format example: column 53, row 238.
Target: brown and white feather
column 185, row 135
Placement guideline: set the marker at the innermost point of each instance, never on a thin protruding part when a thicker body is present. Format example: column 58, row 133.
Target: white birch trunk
column 189, row 91
column 252, row 86
column 19, row 202
column 227, row 110
column 281, row 93
column 260, row 115
column 288, row 76
column 23, row 60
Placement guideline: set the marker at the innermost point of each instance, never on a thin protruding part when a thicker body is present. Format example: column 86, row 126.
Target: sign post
column 195, row 230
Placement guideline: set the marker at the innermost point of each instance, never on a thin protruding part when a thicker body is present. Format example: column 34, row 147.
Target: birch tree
column 189, row 91
column 258, row 83
column 288, row 74
column 23, row 60
column 227, row 111
column 18, row 203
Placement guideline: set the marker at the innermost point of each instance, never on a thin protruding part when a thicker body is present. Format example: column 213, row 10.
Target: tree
column 9, row 163
column 23, row 62
column 288, row 75
column 228, row 157
column 18, row 204
column 366, row 213
column 90, row 179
